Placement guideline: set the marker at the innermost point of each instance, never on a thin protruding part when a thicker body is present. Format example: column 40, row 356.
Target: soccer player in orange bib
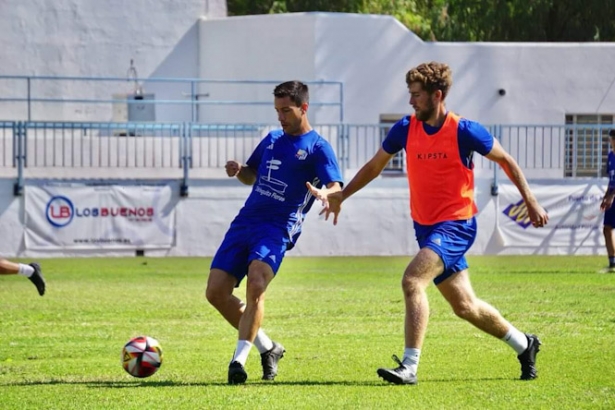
column 439, row 147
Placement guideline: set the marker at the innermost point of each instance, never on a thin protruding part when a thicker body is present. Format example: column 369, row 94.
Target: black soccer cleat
column 236, row 373
column 400, row 375
column 528, row 358
column 270, row 359
column 37, row 278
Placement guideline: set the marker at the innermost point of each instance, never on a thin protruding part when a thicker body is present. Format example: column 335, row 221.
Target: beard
column 427, row 113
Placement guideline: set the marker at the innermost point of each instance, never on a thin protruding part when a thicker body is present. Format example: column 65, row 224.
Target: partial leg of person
column 255, row 251
column 425, row 266
column 607, row 230
column 609, row 222
column 260, row 274
column 32, row 271
column 457, row 290
column 219, row 293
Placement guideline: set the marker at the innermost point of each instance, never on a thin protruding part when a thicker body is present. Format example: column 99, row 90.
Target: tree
column 248, row 7
column 526, row 20
column 346, row 6
column 469, row 20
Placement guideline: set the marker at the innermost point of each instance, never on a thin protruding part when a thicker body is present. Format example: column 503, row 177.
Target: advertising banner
column 82, row 216
column 575, row 219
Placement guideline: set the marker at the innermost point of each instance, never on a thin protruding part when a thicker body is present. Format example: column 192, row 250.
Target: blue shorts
column 245, row 242
column 609, row 217
column 450, row 240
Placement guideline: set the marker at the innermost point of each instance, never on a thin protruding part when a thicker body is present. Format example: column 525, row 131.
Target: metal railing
column 32, row 98
column 181, row 150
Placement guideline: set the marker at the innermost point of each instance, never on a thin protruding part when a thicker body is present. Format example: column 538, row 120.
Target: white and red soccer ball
column 142, row 356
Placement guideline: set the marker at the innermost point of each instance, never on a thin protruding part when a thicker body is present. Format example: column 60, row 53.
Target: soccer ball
column 142, row 356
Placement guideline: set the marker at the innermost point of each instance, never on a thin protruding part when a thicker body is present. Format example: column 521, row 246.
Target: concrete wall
column 98, row 38
column 368, row 54
column 371, row 55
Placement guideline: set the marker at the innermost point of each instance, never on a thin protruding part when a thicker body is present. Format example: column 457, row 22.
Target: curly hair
column 432, row 76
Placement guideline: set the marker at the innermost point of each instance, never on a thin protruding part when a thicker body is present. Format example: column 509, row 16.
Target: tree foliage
column 527, row 20
column 346, row 6
column 469, row 20
column 248, row 7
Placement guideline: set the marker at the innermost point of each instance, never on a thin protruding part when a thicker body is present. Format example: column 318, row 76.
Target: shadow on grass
column 124, row 384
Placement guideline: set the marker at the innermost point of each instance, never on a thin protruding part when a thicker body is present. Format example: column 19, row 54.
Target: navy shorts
column 450, row 240
column 609, row 217
column 245, row 242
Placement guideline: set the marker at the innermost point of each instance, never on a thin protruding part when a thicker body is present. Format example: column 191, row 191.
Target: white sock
column 25, row 270
column 242, row 351
column 262, row 342
column 516, row 339
column 411, row 358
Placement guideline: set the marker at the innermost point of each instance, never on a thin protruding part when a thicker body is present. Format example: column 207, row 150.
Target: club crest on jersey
column 301, row 154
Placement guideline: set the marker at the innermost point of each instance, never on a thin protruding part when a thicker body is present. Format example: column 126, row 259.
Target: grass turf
column 339, row 319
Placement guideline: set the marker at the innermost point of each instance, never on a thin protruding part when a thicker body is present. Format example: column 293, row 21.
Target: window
column 587, row 144
column 397, row 165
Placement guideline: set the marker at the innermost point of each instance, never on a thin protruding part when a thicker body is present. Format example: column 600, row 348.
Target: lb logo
column 60, row 211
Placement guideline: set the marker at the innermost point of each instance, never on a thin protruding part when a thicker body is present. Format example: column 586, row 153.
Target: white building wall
column 370, row 55
column 251, row 48
column 98, row 38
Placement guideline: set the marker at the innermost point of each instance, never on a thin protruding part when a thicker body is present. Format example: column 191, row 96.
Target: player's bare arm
column 536, row 212
column 244, row 173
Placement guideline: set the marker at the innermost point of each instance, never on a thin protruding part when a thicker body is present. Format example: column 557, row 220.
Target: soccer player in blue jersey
column 269, row 223
column 606, row 206
column 439, row 148
column 31, row 271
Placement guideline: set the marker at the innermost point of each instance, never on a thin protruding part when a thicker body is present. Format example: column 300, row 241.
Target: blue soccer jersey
column 283, row 165
column 610, row 169
column 609, row 215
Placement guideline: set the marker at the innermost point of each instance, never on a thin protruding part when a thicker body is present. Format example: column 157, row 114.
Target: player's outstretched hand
column 537, row 214
column 606, row 203
column 331, row 201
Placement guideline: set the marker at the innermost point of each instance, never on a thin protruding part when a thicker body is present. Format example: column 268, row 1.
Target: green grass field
column 339, row 319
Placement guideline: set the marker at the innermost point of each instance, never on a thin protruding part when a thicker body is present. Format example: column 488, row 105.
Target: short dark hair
column 296, row 90
column 612, row 133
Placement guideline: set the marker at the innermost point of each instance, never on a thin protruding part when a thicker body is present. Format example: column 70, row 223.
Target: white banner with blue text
column 575, row 219
column 82, row 216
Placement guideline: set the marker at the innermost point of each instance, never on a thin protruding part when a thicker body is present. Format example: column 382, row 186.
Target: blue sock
column 611, row 260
